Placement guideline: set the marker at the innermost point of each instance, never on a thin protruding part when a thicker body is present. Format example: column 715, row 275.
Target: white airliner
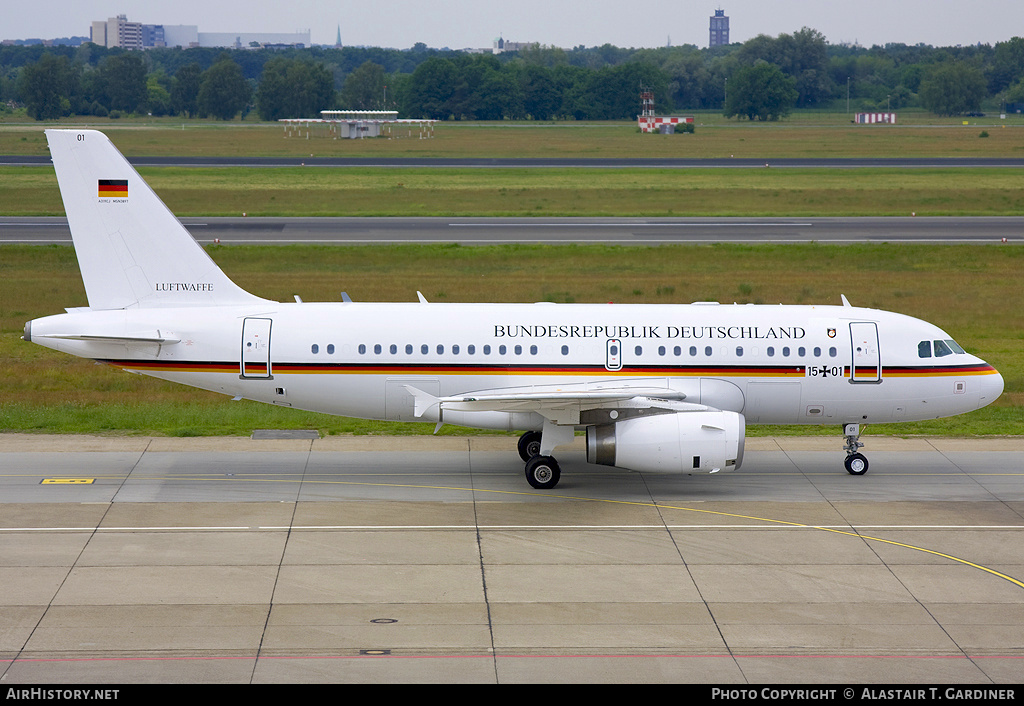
column 665, row 388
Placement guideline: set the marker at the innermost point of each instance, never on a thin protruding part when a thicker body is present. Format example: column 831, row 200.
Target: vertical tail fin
column 133, row 252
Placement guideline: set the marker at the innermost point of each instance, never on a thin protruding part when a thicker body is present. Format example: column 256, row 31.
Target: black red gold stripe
column 113, row 188
column 745, row 371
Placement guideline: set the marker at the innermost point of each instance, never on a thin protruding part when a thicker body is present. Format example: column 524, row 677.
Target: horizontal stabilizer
column 140, row 338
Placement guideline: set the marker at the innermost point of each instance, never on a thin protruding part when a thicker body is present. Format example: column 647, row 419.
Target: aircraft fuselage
column 773, row 364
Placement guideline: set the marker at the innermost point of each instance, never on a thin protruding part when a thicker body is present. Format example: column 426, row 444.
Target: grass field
column 803, row 135
column 971, row 291
column 313, row 191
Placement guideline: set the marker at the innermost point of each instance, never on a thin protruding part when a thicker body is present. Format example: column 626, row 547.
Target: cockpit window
column 942, row 348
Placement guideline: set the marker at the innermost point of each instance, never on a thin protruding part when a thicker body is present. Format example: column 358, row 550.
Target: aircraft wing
column 585, row 403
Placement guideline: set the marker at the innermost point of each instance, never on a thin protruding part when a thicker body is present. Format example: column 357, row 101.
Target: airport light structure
column 355, row 124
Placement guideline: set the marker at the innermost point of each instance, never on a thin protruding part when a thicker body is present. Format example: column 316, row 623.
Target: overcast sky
column 460, row 24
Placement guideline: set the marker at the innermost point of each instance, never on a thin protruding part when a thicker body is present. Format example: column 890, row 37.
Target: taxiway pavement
column 429, row 559
column 618, row 231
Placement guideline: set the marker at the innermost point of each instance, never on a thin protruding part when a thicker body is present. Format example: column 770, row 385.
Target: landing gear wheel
column 542, row 472
column 856, row 464
column 529, row 445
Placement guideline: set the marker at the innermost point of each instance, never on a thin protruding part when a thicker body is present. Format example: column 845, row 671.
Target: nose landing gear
column 856, row 463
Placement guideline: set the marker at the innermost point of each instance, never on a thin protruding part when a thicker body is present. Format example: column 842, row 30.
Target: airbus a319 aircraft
column 659, row 388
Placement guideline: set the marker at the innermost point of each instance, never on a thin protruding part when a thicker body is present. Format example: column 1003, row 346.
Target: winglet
column 846, row 302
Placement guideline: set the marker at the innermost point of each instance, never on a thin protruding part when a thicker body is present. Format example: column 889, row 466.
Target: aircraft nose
column 991, row 388
column 988, row 387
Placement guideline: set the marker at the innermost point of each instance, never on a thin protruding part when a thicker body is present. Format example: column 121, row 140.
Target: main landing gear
column 856, row 463
column 542, row 472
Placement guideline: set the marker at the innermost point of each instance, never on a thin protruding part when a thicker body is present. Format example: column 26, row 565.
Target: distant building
column 244, row 40
column 719, row 32
column 119, row 32
column 500, row 45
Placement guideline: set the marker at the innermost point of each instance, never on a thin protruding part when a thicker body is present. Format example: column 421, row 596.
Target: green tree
column 185, row 90
column 802, row 55
column 123, row 81
column 364, row 88
column 223, row 90
column 430, row 91
column 953, row 88
column 688, row 75
column 1007, row 64
column 46, row 87
column 498, row 96
column 158, row 97
column 541, row 96
column 760, row 92
column 293, row 88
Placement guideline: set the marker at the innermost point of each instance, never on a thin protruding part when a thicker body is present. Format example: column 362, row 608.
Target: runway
column 500, row 231
column 555, row 162
column 429, row 559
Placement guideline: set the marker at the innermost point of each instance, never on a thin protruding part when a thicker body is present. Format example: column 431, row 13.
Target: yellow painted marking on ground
column 67, row 481
column 710, row 512
column 993, row 572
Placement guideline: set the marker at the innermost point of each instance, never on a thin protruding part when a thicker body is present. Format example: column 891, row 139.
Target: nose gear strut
column 856, row 463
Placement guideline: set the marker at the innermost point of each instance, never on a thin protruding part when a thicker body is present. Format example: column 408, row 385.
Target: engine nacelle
column 680, row 442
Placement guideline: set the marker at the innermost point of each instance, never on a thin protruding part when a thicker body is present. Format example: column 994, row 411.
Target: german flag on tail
column 113, row 188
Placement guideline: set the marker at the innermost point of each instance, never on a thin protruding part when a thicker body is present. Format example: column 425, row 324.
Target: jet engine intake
column 682, row 442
